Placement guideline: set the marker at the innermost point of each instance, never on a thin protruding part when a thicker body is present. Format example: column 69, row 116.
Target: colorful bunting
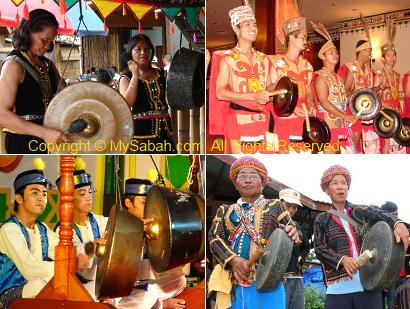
column 192, row 15
column 171, row 12
column 139, row 10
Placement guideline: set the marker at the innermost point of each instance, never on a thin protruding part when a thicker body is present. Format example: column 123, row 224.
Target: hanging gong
column 386, row 260
column 403, row 136
column 274, row 261
column 106, row 114
column 285, row 103
column 178, row 234
column 319, row 132
column 118, row 259
column 365, row 103
column 186, row 80
column 385, row 127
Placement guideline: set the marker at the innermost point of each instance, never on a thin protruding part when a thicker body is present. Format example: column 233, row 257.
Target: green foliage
column 315, row 298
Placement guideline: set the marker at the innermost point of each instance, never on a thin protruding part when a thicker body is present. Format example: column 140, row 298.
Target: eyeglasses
column 248, row 176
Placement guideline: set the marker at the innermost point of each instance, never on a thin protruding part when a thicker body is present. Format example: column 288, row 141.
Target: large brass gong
column 178, row 234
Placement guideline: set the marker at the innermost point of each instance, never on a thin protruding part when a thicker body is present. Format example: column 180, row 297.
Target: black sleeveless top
column 151, row 99
column 34, row 93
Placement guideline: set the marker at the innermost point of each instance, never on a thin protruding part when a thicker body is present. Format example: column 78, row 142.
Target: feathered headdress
column 366, row 30
column 319, row 28
column 391, row 33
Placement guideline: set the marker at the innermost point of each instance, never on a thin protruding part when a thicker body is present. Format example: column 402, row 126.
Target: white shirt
column 29, row 261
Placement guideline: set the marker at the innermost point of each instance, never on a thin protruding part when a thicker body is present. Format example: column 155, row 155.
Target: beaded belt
column 25, row 117
column 151, row 115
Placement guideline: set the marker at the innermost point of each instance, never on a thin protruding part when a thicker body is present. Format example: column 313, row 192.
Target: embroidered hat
column 319, row 28
column 332, row 171
column 248, row 162
column 391, row 33
column 34, row 176
column 135, row 186
column 241, row 13
column 290, row 196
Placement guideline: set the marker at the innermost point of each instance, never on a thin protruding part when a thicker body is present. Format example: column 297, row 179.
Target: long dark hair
column 38, row 20
column 127, row 56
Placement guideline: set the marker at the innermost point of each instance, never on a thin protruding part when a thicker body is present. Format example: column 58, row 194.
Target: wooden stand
column 64, row 290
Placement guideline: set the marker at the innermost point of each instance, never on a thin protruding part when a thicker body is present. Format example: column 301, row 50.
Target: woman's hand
column 134, row 67
column 54, row 136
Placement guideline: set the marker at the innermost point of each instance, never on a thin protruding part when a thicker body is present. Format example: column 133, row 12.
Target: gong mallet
column 364, row 106
column 278, row 92
column 306, row 117
column 386, row 115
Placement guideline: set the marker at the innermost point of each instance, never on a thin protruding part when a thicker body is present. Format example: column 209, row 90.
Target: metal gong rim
column 105, row 111
column 384, row 127
column 285, row 104
column 185, row 80
column 362, row 96
column 319, row 131
column 181, row 237
column 383, row 269
column 403, row 136
column 274, row 261
column 117, row 268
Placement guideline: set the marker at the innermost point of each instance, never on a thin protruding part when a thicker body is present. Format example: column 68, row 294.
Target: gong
column 403, row 136
column 387, row 123
column 284, row 103
column 177, row 236
column 186, row 80
column 118, row 259
column 274, row 261
column 382, row 258
column 106, row 114
column 365, row 103
column 318, row 134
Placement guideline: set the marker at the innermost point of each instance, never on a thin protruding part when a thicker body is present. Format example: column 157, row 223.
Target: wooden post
column 65, row 284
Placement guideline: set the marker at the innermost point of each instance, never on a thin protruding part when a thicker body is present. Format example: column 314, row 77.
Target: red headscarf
column 332, row 171
column 248, row 162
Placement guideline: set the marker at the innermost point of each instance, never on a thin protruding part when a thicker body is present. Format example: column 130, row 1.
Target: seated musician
column 168, row 284
column 88, row 227
column 26, row 244
column 337, row 241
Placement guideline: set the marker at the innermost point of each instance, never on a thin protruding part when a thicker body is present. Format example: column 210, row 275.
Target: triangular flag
column 67, row 3
column 17, row 2
column 140, row 10
column 106, row 7
column 192, row 15
column 171, row 12
column 25, row 11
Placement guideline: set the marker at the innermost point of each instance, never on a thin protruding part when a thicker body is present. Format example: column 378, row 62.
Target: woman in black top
column 28, row 81
column 143, row 87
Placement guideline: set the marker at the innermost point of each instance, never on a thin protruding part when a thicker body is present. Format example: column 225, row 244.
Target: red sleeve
column 217, row 109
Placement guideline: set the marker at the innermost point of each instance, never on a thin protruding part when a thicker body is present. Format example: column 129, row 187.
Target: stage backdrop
column 378, row 37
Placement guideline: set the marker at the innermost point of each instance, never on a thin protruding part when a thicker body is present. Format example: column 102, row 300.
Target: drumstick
column 306, row 117
column 278, row 92
column 366, row 104
column 386, row 115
